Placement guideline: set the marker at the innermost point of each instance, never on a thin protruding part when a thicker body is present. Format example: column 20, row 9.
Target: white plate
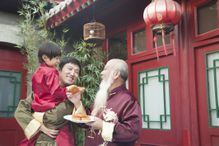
column 69, row 118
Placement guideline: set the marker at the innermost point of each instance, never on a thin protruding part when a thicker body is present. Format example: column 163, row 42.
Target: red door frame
column 12, row 59
column 194, row 41
column 161, row 137
column 205, row 131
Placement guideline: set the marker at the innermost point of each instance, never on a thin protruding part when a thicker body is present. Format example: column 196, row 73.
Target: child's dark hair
column 66, row 60
column 49, row 49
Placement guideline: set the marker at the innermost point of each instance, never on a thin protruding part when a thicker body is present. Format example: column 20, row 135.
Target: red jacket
column 46, row 88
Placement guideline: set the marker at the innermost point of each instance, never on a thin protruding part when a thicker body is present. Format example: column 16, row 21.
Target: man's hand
column 75, row 89
column 97, row 124
column 74, row 98
column 50, row 132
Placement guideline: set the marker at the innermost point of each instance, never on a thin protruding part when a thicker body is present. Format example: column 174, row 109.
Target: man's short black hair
column 66, row 60
column 50, row 49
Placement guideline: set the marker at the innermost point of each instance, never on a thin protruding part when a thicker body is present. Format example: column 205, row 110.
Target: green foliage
column 33, row 31
column 91, row 58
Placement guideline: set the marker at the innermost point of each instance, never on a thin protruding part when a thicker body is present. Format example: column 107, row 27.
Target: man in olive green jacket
column 42, row 126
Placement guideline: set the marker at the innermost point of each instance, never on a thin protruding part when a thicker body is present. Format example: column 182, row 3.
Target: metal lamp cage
column 94, row 30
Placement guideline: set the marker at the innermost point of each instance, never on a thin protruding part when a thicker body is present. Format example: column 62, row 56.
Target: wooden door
column 12, row 88
column 207, row 73
column 155, row 83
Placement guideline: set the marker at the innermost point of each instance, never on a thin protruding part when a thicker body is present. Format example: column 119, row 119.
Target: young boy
column 47, row 92
column 46, row 88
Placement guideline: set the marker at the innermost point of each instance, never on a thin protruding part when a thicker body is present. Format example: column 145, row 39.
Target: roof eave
column 66, row 9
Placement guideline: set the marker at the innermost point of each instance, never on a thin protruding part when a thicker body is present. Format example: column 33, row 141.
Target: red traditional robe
column 47, row 92
column 126, row 129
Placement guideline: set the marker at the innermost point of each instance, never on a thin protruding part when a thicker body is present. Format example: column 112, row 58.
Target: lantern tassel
column 172, row 35
column 163, row 41
column 155, row 43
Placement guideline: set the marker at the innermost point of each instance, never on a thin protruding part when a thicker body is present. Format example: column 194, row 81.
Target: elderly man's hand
column 97, row 124
column 74, row 98
column 50, row 132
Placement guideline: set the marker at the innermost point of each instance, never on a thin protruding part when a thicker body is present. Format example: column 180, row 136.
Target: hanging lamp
column 162, row 16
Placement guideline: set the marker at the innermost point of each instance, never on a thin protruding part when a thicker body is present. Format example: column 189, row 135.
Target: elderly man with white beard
column 117, row 113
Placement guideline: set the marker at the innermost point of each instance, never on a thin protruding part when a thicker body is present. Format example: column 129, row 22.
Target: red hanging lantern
column 162, row 16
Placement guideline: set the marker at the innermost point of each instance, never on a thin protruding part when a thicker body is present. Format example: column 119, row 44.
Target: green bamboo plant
column 33, row 30
column 91, row 58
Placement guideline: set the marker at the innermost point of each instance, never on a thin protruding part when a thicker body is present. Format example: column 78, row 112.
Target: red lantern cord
column 155, row 43
column 163, row 41
column 172, row 35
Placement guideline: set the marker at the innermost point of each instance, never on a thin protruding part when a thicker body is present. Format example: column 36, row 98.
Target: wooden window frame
column 150, row 53
column 10, row 75
column 206, row 35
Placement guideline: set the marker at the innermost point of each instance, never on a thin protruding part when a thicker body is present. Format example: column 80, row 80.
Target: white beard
column 102, row 94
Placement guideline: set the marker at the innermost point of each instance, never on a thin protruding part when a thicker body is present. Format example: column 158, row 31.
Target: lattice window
column 212, row 72
column 10, row 91
column 154, row 98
